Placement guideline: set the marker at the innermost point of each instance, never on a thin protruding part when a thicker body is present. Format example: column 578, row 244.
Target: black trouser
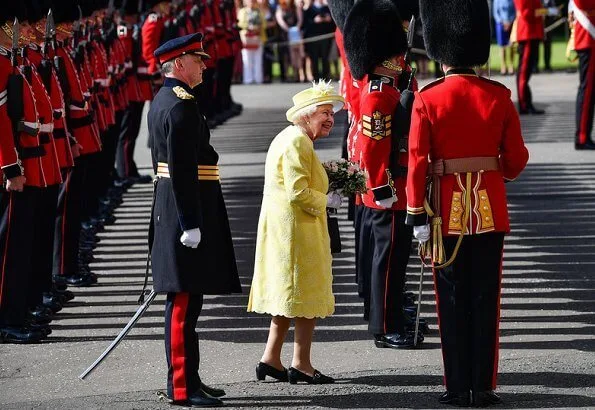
column 45, row 224
column 319, row 51
column 391, row 250
column 93, row 183
column 468, row 304
column 68, row 219
column 364, row 251
column 181, row 344
column 16, row 254
column 528, row 57
column 585, row 100
column 129, row 129
column 206, row 93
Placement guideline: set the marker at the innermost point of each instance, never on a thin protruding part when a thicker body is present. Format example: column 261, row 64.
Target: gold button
column 455, row 219
column 455, row 209
column 483, row 197
column 457, row 199
column 481, row 171
column 487, row 218
column 485, row 208
column 456, row 174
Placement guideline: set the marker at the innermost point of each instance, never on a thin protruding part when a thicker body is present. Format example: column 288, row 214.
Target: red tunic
column 132, row 84
column 9, row 166
column 151, row 33
column 582, row 39
column 529, row 24
column 78, row 120
column 463, row 116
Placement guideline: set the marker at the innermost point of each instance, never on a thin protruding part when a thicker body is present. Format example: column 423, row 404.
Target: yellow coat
column 292, row 268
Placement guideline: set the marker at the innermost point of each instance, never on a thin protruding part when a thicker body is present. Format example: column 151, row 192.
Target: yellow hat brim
column 336, row 100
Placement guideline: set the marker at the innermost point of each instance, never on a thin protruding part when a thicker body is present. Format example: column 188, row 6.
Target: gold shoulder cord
column 435, row 247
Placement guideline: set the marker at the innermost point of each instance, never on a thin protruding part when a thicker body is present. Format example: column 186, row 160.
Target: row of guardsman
column 74, row 79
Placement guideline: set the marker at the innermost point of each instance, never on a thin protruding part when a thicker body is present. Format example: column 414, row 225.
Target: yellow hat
column 320, row 93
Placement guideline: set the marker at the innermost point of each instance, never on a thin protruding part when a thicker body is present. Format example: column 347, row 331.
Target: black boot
column 459, row 399
column 485, row 398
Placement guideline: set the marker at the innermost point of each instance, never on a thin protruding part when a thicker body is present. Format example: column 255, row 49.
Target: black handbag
column 333, row 232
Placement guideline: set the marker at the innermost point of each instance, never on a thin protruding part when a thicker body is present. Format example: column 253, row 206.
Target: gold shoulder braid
column 182, row 94
column 23, row 40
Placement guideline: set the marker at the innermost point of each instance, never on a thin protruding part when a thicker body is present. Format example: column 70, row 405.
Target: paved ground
column 548, row 306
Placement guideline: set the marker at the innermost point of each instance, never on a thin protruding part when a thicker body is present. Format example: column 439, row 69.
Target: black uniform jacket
column 181, row 139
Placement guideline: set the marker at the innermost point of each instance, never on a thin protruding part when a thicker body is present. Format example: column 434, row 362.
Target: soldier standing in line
column 21, row 168
column 375, row 43
column 191, row 248
column 529, row 33
column 466, row 135
column 581, row 16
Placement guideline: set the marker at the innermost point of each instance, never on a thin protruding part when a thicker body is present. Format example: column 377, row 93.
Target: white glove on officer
column 333, row 200
column 191, row 238
column 422, row 233
column 553, row 11
column 386, row 203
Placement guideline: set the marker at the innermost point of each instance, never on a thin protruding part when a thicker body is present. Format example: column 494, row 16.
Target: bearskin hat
column 372, row 33
column 407, row 9
column 67, row 11
column 339, row 10
column 456, row 32
column 13, row 9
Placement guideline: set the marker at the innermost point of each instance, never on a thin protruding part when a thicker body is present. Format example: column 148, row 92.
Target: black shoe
column 263, row 370
column 78, row 281
column 52, row 303
column 143, row 179
column 395, row 340
column 294, row 376
column 586, row 146
column 455, row 399
column 212, row 391
column 485, row 398
column 64, row 295
column 532, row 111
column 40, row 314
column 199, row 399
column 23, row 335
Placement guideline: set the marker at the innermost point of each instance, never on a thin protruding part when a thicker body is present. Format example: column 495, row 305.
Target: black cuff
column 383, row 192
column 416, row 219
column 12, row 171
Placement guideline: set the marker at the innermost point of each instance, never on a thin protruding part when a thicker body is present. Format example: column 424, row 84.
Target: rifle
column 14, row 88
column 45, row 68
column 402, row 115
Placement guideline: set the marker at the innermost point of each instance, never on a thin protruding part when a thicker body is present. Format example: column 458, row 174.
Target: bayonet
column 16, row 28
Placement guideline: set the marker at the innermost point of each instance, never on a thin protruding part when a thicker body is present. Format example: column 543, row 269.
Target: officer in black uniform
column 191, row 247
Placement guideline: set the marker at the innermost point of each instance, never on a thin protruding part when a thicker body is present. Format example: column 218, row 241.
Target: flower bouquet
column 345, row 177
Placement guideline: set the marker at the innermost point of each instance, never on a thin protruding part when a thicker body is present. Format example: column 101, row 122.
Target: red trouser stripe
column 178, row 345
column 586, row 108
column 523, row 75
column 6, row 245
column 388, row 266
column 497, row 338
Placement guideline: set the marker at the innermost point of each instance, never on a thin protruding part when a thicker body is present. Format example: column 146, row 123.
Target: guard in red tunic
column 582, row 22
column 529, row 33
column 152, row 32
column 375, row 43
column 465, row 135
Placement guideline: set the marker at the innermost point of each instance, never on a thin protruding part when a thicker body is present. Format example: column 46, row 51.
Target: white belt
column 104, row 82
column 75, row 108
column 49, row 127
column 60, row 110
column 142, row 70
column 128, row 65
column 34, row 125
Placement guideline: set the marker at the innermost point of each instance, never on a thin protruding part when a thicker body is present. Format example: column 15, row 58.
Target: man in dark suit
column 191, row 247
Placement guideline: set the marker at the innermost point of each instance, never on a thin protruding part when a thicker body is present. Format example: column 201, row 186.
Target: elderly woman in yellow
column 292, row 269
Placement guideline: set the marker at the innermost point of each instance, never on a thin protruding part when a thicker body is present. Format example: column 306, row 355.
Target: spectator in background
column 504, row 15
column 318, row 21
column 272, row 32
column 289, row 18
column 252, row 23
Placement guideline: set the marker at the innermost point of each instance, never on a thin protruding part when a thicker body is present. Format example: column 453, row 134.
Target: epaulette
column 182, row 94
column 375, row 85
column 497, row 83
column 432, row 84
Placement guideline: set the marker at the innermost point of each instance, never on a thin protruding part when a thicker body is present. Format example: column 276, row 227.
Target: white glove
column 553, row 11
column 333, row 200
column 386, row 203
column 191, row 238
column 422, row 233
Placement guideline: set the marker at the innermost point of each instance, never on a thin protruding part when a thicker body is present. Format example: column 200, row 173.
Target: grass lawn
column 559, row 61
